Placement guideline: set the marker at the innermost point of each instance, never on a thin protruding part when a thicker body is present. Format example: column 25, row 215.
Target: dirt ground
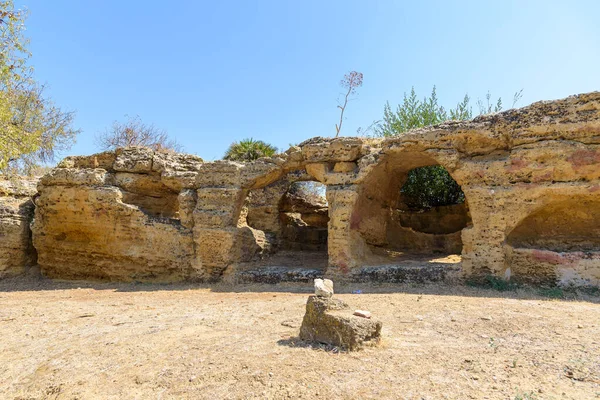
column 107, row 341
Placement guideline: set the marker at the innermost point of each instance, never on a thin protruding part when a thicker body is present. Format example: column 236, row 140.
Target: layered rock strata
column 531, row 179
column 16, row 213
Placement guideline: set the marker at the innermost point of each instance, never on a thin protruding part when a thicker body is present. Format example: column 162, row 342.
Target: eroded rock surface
column 531, row 179
column 117, row 216
column 16, row 214
column 331, row 321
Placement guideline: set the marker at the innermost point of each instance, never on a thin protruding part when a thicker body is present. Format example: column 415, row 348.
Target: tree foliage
column 249, row 150
column 134, row 132
column 431, row 186
column 33, row 128
column 415, row 113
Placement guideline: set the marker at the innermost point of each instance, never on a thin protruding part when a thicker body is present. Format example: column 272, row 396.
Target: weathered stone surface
column 179, row 180
column 175, row 162
column 260, row 173
column 134, row 159
column 347, row 166
column 332, row 150
column 408, row 273
column 219, row 248
column 318, row 170
column 363, row 314
column 118, row 223
column 220, row 174
column 330, row 321
column 187, row 200
column 274, row 275
column 75, row 177
column 531, row 179
column 90, row 233
column 16, row 213
column 323, row 287
column 101, row 160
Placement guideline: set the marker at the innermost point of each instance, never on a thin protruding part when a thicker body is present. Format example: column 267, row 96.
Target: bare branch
column 351, row 81
column 134, row 132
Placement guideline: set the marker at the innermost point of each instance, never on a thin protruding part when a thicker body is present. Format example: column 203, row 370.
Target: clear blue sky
column 212, row 72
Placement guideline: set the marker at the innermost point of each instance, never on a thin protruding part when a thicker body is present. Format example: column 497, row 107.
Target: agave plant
column 248, row 150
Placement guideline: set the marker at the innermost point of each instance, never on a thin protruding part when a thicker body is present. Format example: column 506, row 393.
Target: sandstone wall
column 139, row 215
column 16, row 214
column 124, row 215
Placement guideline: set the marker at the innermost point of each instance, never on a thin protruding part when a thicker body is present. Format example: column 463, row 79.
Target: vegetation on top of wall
column 415, row 113
column 249, row 150
column 33, row 128
column 431, row 186
column 134, row 132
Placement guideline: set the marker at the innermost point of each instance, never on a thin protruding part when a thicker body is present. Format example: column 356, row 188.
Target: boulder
column 330, row 321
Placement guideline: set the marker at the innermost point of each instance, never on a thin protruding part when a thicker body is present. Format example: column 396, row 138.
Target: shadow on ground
column 296, row 342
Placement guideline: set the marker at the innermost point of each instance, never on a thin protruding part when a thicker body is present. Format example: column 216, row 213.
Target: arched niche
column 289, row 219
column 563, row 225
column 392, row 228
column 558, row 243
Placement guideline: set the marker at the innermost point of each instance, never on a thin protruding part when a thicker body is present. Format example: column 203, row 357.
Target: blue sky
column 213, row 72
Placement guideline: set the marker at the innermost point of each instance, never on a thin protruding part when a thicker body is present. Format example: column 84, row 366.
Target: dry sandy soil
column 88, row 341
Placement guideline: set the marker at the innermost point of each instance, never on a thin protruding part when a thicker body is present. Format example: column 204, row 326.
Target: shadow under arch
column 289, row 221
column 559, row 242
column 564, row 225
column 422, row 245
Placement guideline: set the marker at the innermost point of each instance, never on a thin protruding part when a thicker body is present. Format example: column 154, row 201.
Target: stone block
column 346, row 166
column 75, row 177
column 323, row 288
column 134, row 159
column 330, row 321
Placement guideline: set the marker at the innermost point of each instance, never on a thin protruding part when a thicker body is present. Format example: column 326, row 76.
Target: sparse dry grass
column 165, row 342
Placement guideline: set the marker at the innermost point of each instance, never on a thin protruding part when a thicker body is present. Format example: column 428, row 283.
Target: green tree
column 249, row 150
column 431, row 186
column 415, row 113
column 32, row 127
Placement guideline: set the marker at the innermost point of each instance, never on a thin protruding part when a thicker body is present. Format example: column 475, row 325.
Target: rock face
column 531, row 179
column 16, row 214
column 125, row 215
column 331, row 321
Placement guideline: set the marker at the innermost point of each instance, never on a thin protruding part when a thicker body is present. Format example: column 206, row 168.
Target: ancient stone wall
column 531, row 179
column 16, row 214
column 124, row 215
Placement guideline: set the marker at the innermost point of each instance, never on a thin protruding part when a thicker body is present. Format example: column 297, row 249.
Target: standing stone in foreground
column 330, row 321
